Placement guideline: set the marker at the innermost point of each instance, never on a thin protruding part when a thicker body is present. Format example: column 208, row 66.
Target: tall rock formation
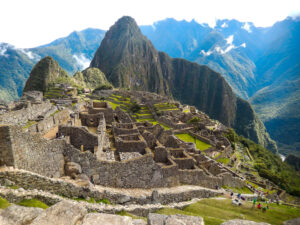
column 129, row 60
column 45, row 72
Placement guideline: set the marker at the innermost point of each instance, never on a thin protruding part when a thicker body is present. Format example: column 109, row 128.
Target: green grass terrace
column 202, row 146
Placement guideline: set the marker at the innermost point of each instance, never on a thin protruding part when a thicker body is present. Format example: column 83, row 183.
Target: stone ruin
column 111, row 147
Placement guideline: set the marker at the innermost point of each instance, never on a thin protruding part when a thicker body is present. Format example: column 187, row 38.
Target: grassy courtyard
column 217, row 211
column 199, row 144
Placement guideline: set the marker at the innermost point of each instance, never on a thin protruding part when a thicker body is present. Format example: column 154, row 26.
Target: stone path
column 16, row 195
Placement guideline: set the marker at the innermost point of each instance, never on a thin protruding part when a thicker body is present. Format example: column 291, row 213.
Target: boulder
column 19, row 215
column 243, row 222
column 139, row 222
column 107, row 219
column 292, row 222
column 62, row 213
column 158, row 219
column 72, row 169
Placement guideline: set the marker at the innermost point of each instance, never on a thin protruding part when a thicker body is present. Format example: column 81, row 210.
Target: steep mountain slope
column 73, row 53
column 228, row 48
column 43, row 74
column 278, row 101
column 130, row 61
column 259, row 63
column 15, row 67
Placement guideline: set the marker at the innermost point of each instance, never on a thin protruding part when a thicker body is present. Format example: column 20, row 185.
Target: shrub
column 103, row 87
column 135, row 107
column 194, row 120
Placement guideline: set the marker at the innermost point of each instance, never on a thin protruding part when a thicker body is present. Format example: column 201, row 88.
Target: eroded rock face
column 19, row 215
column 107, row 219
column 242, row 222
column 292, row 222
column 62, row 213
column 158, row 219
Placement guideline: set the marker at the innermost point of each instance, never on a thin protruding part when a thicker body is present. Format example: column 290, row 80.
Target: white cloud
column 229, row 40
column 29, row 54
column 3, row 49
column 208, row 53
column 224, row 25
column 243, row 45
column 247, row 27
column 82, row 61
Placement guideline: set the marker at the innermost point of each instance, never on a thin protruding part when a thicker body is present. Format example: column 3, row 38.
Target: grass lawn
column 33, row 203
column 4, row 203
column 113, row 105
column 223, row 160
column 215, row 212
column 243, row 190
column 199, row 144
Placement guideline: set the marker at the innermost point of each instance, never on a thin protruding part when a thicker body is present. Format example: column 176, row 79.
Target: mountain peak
column 124, row 27
column 46, row 71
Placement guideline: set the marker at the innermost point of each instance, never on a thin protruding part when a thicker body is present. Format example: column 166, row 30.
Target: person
column 259, row 206
column 239, row 195
column 254, row 203
column 217, row 187
column 231, row 194
column 264, row 209
column 92, row 180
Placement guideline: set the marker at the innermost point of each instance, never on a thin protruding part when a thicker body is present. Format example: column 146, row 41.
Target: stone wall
column 50, row 122
column 79, row 136
column 141, row 172
column 20, row 117
column 31, row 152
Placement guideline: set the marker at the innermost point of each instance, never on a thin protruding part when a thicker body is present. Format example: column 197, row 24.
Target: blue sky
column 35, row 22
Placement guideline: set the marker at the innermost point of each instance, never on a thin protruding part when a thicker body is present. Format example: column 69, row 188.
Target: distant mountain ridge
column 260, row 64
column 129, row 60
column 73, row 53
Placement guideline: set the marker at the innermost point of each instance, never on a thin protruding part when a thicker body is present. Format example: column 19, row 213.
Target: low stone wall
column 31, row 152
column 20, row 117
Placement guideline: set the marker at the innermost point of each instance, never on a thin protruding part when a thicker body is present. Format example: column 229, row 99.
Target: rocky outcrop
column 19, row 215
column 159, row 219
column 91, row 78
column 292, row 222
column 101, row 218
column 45, row 72
column 129, row 60
column 63, row 213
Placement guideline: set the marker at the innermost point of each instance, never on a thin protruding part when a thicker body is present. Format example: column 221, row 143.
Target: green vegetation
column 216, row 211
column 135, row 107
column 33, row 203
column 223, row 160
column 124, row 213
column 194, row 120
column 4, row 203
column 243, row 190
column 103, row 87
column 114, row 105
column 269, row 165
column 199, row 144
column 29, row 124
